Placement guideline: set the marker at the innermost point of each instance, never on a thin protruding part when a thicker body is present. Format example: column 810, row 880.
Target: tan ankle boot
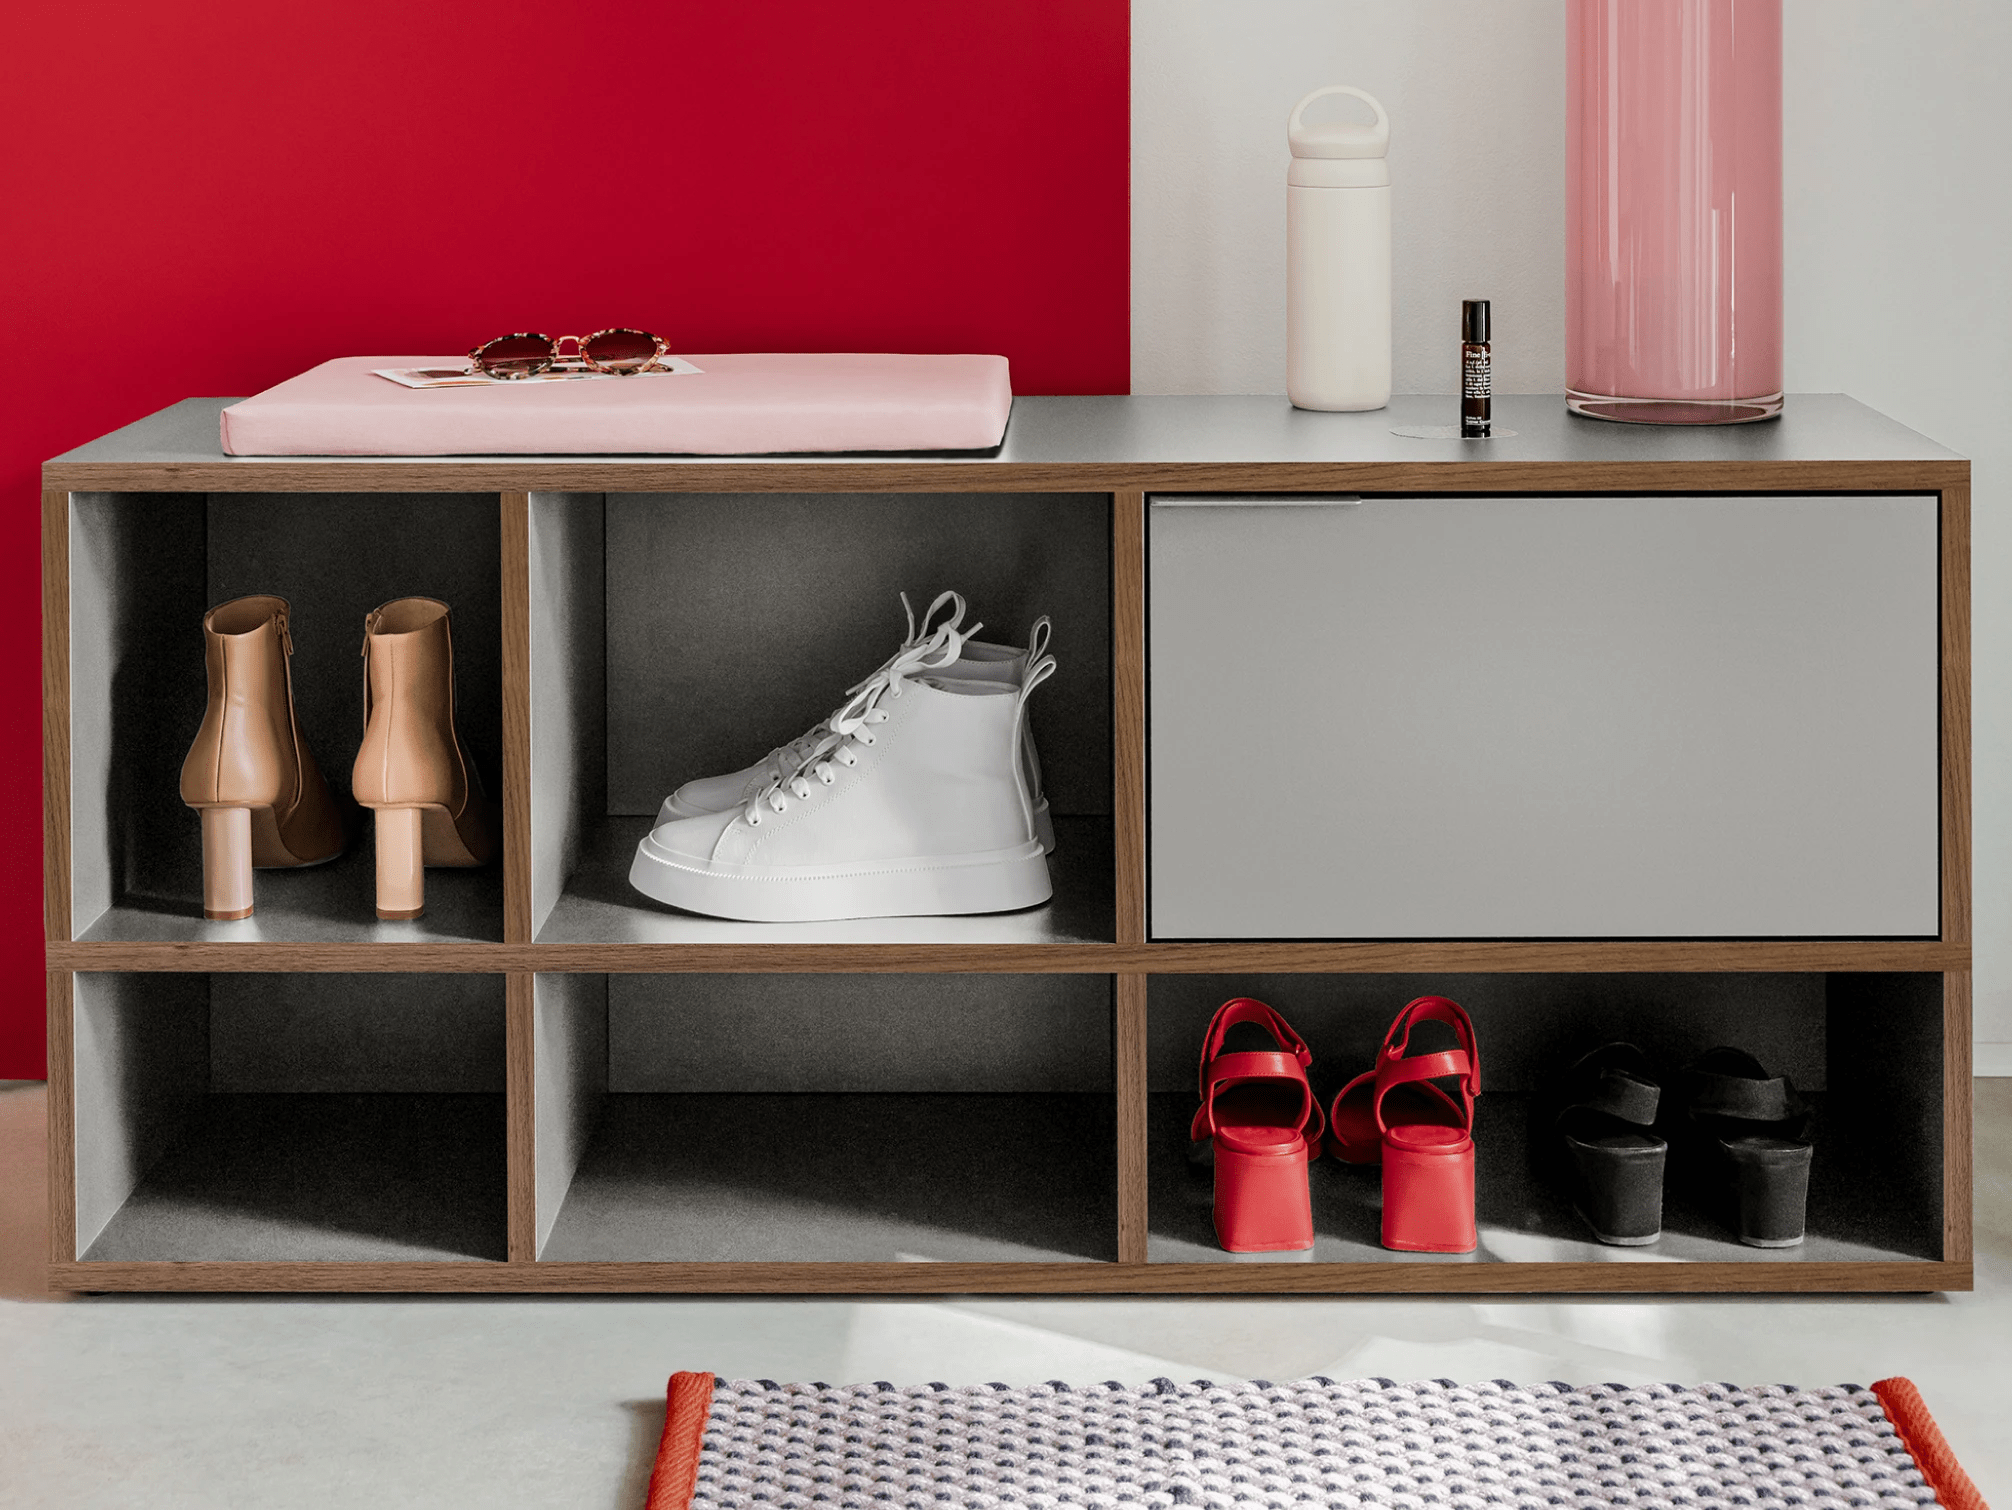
column 429, row 804
column 262, row 798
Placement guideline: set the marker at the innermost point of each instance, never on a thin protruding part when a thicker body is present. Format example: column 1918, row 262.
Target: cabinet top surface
column 1108, row 435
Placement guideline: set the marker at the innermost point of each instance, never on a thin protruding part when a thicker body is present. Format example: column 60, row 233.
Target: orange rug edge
column 676, row 1475
column 1923, row 1438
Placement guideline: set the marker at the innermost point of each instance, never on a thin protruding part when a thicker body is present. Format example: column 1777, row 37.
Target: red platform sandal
column 1263, row 1123
column 1400, row 1116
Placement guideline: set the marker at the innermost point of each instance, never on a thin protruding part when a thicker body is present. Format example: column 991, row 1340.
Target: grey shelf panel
column 845, row 1178
column 1216, row 429
column 1523, row 1217
column 598, row 906
column 329, row 1178
column 334, row 903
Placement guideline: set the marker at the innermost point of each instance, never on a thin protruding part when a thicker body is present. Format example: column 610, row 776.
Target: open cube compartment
column 1864, row 1049
column 144, row 569
column 827, row 1118
column 292, row 1117
column 675, row 636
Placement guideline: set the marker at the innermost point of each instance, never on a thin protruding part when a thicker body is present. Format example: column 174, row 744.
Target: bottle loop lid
column 1339, row 138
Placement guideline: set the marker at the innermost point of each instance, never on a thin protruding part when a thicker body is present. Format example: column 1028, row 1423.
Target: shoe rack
column 547, row 1083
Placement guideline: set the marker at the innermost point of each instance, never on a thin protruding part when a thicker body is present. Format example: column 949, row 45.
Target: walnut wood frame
column 1129, row 958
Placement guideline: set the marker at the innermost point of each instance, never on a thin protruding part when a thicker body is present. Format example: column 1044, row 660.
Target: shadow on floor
column 646, row 1432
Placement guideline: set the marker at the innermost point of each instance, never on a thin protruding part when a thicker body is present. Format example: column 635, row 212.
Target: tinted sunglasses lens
column 621, row 350
column 515, row 356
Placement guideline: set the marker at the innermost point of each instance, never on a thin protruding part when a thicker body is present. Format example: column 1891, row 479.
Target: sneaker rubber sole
column 1004, row 880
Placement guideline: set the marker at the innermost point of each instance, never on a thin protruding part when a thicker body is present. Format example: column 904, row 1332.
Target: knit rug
column 754, row 1443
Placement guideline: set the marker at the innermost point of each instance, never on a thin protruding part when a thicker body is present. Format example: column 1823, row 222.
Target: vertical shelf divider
column 1128, row 1063
column 520, row 1112
column 1957, row 1131
column 62, row 1119
column 56, row 715
column 1955, row 611
column 1128, row 710
column 516, row 620
column 1128, row 763
column 520, row 1068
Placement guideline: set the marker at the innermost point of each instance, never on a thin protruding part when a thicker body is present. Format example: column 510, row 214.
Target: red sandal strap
column 1252, row 1065
column 1394, row 1067
column 1288, row 1062
column 1438, row 1066
column 1245, row 1009
column 1432, row 1009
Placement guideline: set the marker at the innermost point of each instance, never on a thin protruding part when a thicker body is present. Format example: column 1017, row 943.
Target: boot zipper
column 285, row 634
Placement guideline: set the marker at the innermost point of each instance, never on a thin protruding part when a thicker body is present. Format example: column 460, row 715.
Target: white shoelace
column 784, row 759
column 849, row 729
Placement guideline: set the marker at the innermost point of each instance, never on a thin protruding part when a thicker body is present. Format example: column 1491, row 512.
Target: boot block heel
column 227, row 863
column 1428, row 1197
column 1262, row 1205
column 401, row 863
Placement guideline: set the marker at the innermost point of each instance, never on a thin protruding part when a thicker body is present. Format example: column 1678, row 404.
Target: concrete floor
column 386, row 1403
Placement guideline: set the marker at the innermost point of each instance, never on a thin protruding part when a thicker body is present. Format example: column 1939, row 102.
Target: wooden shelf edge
column 1560, row 955
column 849, row 475
column 1027, row 1279
column 1927, row 956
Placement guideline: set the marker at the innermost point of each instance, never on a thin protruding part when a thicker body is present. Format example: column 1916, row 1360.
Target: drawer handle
column 1194, row 501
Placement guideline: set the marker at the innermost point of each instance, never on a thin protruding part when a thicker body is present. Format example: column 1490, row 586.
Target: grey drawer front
column 1543, row 717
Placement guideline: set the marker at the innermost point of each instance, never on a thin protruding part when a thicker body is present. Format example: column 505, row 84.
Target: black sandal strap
column 1737, row 1096
column 1624, row 1097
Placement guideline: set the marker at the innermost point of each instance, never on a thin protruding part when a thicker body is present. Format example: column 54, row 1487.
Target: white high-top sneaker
column 977, row 662
column 914, row 802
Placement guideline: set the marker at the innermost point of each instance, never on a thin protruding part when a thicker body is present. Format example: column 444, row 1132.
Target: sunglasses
column 619, row 351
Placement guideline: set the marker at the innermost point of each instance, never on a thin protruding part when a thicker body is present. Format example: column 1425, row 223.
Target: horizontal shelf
column 326, row 1177
column 1821, row 441
column 765, row 955
column 1523, row 1217
column 915, row 1179
column 334, row 903
column 1023, row 1279
column 1546, row 956
column 598, row 906
column 253, row 474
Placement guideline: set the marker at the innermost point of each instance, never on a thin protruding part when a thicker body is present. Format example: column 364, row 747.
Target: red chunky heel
column 1261, row 1122
column 1397, row 1114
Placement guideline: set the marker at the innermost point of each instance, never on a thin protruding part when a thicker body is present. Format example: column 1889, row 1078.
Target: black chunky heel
column 1752, row 1135
column 1615, row 1158
column 1771, row 1178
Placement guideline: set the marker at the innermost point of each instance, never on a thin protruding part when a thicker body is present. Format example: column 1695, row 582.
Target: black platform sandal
column 1616, row 1159
column 1752, row 1135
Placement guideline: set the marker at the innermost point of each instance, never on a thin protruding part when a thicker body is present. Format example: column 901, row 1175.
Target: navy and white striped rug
column 741, row 1444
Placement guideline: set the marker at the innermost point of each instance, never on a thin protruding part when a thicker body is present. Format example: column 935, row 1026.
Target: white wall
column 1898, row 256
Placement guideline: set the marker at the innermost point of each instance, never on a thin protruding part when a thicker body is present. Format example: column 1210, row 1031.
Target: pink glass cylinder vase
column 1673, row 210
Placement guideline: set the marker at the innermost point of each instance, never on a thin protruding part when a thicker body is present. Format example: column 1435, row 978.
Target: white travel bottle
column 1337, row 279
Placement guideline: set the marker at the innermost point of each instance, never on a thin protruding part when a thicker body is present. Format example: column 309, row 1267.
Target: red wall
column 204, row 196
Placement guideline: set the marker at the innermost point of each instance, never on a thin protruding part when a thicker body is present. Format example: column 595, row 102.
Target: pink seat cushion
column 736, row 405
